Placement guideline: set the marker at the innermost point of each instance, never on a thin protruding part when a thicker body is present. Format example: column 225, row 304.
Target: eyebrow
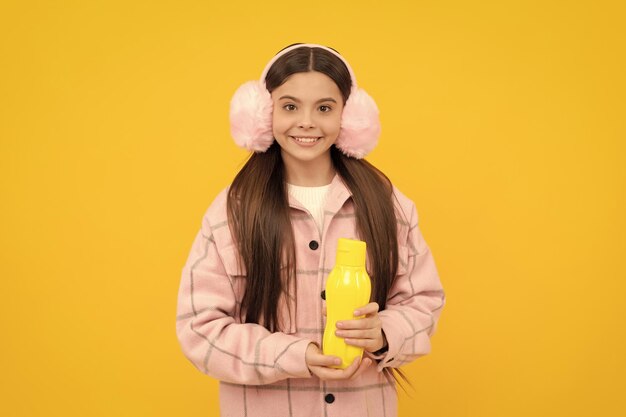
column 318, row 101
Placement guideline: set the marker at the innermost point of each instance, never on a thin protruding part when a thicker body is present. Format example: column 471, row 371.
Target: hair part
column 307, row 59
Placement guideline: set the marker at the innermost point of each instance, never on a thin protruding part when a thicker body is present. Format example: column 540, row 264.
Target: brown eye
column 289, row 107
column 325, row 109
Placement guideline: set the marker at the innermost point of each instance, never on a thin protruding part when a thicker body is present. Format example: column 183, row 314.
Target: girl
column 251, row 299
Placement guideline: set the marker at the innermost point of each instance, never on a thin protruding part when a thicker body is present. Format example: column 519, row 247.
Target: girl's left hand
column 365, row 332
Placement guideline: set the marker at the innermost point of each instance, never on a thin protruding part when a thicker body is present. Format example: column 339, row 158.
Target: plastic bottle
column 348, row 287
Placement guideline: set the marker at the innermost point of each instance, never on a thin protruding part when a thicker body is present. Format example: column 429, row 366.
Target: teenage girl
column 251, row 309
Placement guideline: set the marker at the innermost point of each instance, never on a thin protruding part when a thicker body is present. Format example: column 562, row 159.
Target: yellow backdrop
column 503, row 121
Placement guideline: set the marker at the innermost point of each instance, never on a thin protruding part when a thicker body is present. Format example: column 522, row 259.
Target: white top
column 313, row 199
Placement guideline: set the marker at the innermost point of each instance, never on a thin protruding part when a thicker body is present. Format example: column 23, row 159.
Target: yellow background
column 502, row 120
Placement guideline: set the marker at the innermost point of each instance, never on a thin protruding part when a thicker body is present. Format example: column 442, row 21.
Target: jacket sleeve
column 210, row 337
column 414, row 304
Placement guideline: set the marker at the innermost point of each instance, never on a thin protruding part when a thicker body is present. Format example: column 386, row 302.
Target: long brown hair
column 258, row 208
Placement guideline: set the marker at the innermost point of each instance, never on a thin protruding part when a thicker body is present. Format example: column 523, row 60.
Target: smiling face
column 306, row 119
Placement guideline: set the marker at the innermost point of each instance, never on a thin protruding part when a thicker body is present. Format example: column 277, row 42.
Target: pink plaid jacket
column 265, row 374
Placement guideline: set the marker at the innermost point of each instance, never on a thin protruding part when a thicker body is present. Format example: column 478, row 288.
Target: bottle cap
column 351, row 252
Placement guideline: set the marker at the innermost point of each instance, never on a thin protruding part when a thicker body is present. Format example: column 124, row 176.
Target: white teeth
column 305, row 140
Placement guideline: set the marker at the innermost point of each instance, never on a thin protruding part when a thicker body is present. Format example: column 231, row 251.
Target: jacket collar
column 338, row 194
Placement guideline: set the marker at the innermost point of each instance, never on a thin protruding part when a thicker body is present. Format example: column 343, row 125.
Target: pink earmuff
column 251, row 115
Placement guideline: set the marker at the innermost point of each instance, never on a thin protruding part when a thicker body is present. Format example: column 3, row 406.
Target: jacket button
column 314, row 245
column 323, row 295
column 329, row 398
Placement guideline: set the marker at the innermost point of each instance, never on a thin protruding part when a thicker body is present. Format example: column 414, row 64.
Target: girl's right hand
column 319, row 364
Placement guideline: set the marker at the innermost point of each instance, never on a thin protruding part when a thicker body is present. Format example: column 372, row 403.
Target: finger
column 358, row 334
column 365, row 363
column 335, row 373
column 324, row 360
column 364, row 323
column 350, row 370
column 324, row 309
column 323, row 372
column 366, row 344
column 370, row 308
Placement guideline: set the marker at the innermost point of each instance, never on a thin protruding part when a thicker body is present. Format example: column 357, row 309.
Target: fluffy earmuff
column 251, row 117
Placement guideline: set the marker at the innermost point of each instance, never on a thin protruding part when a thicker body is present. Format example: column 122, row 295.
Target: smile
column 306, row 139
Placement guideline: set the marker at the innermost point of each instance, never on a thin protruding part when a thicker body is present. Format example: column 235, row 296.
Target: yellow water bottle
column 348, row 287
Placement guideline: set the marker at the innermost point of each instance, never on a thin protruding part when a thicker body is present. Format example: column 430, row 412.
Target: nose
column 306, row 121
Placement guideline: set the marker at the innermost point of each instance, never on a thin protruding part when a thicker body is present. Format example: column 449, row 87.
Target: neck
column 313, row 173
